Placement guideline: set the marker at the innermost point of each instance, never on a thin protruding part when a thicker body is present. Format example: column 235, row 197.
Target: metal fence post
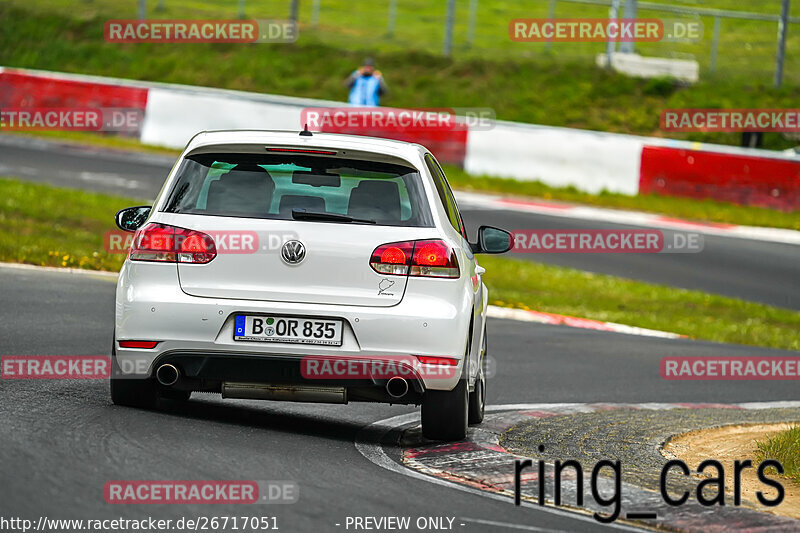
column 160, row 6
column 293, row 9
column 241, row 9
column 714, row 46
column 626, row 47
column 392, row 18
column 142, row 9
column 473, row 15
column 448, row 30
column 315, row 13
column 782, row 26
column 551, row 14
column 613, row 14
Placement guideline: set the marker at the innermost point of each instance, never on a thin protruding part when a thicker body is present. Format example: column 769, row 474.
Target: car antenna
column 305, row 132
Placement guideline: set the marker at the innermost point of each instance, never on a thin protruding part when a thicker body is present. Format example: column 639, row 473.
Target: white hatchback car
column 305, row 267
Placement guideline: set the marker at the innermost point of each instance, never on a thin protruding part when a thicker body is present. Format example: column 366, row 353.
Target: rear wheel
column 444, row 413
column 477, row 398
column 131, row 392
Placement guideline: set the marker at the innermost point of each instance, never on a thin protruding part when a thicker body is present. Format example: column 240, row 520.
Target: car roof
column 338, row 141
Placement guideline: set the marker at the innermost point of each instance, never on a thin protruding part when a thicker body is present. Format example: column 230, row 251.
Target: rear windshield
column 273, row 186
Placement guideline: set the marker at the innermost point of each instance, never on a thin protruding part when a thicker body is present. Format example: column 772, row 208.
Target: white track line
column 79, row 271
column 575, row 322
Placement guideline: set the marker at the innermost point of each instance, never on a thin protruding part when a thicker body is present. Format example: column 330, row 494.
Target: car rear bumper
column 200, row 330
column 212, row 372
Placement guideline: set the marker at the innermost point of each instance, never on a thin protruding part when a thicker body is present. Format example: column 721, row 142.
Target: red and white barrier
column 740, row 178
column 590, row 161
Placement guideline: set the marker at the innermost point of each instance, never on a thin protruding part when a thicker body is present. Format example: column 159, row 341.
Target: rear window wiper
column 302, row 214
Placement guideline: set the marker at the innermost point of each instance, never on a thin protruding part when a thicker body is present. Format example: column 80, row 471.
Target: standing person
column 366, row 85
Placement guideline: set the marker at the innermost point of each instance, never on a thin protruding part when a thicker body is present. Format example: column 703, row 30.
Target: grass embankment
column 44, row 225
column 520, row 81
column 50, row 226
column 785, row 448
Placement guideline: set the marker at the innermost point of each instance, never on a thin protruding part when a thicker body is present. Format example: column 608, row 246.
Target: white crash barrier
column 687, row 70
column 591, row 161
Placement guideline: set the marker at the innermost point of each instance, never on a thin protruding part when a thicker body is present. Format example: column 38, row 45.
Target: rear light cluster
column 442, row 361
column 428, row 258
column 138, row 344
column 170, row 244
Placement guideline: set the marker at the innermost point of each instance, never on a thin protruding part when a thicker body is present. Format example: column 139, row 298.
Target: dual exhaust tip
column 168, row 375
column 397, row 387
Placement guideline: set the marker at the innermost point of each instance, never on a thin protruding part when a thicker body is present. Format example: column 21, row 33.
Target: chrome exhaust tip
column 167, row 375
column 397, row 387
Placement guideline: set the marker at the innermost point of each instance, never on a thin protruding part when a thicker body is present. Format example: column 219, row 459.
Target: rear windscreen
column 273, row 186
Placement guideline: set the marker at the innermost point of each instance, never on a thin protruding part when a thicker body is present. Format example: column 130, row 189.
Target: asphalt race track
column 747, row 269
column 62, row 440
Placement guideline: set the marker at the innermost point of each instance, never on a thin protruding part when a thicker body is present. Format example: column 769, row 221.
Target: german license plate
column 293, row 330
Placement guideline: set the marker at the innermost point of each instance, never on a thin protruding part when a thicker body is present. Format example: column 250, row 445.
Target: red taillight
column 138, row 344
column 433, row 253
column 428, row 258
column 392, row 258
column 431, row 360
column 159, row 242
column 434, row 259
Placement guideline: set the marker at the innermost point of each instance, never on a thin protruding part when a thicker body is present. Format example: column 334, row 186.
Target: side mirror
column 132, row 218
column 492, row 240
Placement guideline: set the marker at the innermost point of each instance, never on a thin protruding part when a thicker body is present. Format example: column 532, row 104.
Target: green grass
column 745, row 46
column 785, row 448
column 519, row 81
column 527, row 285
column 50, row 226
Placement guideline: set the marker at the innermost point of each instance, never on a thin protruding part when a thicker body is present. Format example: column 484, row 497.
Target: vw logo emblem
column 293, row 252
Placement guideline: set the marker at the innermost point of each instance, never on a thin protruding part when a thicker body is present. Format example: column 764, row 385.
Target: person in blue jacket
column 366, row 85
